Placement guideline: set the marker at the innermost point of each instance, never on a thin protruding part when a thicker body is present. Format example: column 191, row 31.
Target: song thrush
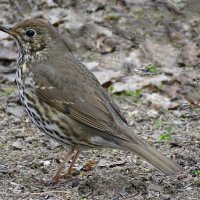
column 66, row 101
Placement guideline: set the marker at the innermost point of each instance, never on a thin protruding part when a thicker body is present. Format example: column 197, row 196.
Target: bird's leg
column 57, row 175
column 76, row 155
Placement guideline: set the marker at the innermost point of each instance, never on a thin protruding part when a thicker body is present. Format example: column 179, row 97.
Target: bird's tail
column 152, row 156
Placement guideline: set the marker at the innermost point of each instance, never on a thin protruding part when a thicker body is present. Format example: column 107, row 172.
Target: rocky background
column 147, row 54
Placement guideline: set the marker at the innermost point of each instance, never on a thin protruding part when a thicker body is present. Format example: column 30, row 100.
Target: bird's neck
column 36, row 56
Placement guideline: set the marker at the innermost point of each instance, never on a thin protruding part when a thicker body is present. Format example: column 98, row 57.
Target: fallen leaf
column 7, row 54
column 89, row 165
column 105, row 163
column 164, row 54
column 15, row 110
column 107, row 75
column 160, row 101
column 135, row 82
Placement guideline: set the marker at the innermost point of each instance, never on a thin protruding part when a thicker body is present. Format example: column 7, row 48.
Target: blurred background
column 146, row 53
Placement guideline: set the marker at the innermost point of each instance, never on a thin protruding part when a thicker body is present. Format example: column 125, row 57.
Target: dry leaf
column 89, row 165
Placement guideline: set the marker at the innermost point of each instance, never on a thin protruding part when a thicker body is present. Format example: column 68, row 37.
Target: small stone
column 18, row 144
column 152, row 113
column 133, row 113
column 46, row 163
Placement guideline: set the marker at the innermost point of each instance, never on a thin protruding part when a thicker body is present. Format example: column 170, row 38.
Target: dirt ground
column 147, row 54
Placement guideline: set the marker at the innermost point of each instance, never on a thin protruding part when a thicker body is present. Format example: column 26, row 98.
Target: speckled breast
column 40, row 113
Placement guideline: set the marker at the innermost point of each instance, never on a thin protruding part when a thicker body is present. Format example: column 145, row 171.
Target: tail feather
column 152, row 156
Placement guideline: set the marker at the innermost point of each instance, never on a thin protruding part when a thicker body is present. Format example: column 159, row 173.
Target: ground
column 146, row 54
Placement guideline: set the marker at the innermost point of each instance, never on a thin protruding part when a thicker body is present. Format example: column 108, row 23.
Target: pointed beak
column 8, row 29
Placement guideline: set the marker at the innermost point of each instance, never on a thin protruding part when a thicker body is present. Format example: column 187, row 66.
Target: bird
column 65, row 100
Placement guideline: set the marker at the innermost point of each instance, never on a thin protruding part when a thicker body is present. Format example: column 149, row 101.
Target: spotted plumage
column 66, row 101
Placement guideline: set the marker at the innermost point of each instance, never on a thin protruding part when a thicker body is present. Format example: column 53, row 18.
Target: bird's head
column 34, row 36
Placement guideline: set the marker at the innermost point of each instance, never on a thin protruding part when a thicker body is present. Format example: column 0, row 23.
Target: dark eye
column 30, row 33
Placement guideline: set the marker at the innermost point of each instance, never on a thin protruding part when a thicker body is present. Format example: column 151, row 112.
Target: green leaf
column 136, row 93
column 166, row 136
column 197, row 172
column 110, row 89
column 152, row 68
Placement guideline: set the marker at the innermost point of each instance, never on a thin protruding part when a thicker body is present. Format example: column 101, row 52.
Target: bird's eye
column 30, row 33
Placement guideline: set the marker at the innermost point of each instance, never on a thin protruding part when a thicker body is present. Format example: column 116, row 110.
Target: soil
column 111, row 36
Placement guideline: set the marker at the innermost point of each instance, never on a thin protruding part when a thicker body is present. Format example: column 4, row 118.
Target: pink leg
column 73, row 162
column 57, row 175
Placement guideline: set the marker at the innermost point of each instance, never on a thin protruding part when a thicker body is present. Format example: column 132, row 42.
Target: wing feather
column 87, row 102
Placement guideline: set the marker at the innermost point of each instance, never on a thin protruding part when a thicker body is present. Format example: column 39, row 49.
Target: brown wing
column 74, row 90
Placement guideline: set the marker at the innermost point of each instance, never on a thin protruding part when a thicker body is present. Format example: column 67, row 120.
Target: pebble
column 17, row 144
column 153, row 113
column 46, row 163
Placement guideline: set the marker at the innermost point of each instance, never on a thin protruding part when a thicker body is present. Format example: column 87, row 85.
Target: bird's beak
column 8, row 29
